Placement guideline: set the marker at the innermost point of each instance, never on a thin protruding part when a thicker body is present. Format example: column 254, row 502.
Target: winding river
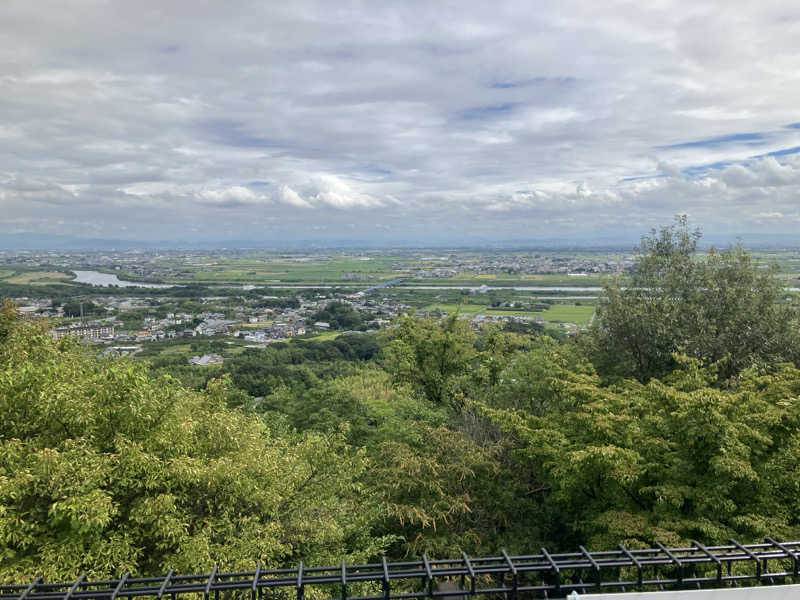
column 107, row 279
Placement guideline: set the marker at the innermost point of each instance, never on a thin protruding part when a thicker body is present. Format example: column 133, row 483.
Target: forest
column 674, row 416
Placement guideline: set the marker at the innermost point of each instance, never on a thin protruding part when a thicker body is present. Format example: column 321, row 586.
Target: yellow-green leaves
column 103, row 470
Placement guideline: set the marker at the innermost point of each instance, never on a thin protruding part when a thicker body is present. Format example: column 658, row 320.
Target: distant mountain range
column 35, row 241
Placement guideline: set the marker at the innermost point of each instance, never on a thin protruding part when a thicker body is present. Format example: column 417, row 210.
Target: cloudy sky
column 430, row 120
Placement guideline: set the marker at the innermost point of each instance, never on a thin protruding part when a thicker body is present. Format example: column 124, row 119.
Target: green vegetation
column 339, row 315
column 722, row 309
column 103, row 469
column 673, row 417
column 554, row 313
column 461, row 309
column 568, row 313
column 38, row 277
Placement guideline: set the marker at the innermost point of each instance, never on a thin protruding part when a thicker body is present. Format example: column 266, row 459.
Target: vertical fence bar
column 788, row 552
column 165, row 584
column 471, row 572
column 254, row 584
column 675, row 560
column 716, row 560
column 210, row 582
column 513, row 574
column 120, row 585
column 751, row 556
column 556, row 570
column 635, row 562
column 30, row 588
column 428, row 573
column 386, row 585
column 300, row 589
column 74, row 587
column 595, row 567
column 343, row 576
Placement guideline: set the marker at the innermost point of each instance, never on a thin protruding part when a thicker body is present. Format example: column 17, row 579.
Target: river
column 107, row 279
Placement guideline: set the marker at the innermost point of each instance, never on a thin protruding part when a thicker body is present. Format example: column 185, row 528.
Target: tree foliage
column 104, row 470
column 675, row 418
column 340, row 315
column 429, row 355
column 722, row 309
column 668, row 461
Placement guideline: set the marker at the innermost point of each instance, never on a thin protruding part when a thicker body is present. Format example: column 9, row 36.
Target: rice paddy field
column 555, row 314
column 34, row 277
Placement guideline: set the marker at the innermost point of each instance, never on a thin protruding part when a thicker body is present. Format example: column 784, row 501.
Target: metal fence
column 542, row 575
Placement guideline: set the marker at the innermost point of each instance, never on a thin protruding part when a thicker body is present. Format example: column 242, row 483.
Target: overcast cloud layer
column 397, row 120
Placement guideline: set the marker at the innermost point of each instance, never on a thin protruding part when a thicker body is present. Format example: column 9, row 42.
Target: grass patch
column 39, row 277
column 256, row 325
column 176, row 349
column 462, row 309
column 324, row 335
column 568, row 313
column 512, row 313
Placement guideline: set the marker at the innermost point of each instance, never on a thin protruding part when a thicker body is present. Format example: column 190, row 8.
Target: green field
column 38, row 277
column 462, row 309
column 176, row 349
column 499, row 312
column 306, row 270
column 325, row 335
column 568, row 313
column 557, row 313
column 4, row 273
column 505, row 280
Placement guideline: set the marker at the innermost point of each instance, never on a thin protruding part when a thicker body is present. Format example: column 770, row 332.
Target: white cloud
column 232, row 196
column 332, row 191
column 490, row 120
column 289, row 196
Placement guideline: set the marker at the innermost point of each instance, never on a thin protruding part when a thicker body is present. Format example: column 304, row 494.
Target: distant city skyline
column 413, row 122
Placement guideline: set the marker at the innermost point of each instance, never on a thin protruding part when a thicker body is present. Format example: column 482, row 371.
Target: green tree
column 430, row 355
column 669, row 461
column 721, row 308
column 103, row 470
column 340, row 315
column 437, row 486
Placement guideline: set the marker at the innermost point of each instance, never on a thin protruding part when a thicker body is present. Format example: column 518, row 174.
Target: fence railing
column 542, row 575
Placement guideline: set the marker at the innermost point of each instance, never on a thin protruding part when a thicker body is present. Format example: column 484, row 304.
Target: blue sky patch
column 232, row 133
column 717, row 141
column 641, row 177
column 373, row 170
column 784, row 152
column 479, row 113
column 518, row 83
column 701, row 169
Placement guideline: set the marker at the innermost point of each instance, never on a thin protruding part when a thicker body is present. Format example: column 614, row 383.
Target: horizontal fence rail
column 542, row 575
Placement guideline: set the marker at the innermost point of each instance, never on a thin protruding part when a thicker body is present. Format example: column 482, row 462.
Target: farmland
column 556, row 313
column 35, row 277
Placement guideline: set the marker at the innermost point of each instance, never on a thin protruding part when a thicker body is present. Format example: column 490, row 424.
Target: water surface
column 107, row 279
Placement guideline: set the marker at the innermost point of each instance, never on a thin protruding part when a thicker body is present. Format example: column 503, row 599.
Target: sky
column 427, row 121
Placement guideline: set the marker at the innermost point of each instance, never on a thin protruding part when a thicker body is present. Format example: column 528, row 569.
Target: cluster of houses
column 452, row 265
column 95, row 332
column 258, row 326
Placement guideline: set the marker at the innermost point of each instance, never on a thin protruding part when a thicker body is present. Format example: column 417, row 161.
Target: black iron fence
column 542, row 575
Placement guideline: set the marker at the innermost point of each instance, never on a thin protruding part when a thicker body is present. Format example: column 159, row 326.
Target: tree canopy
column 722, row 308
column 103, row 469
column 676, row 417
column 339, row 315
